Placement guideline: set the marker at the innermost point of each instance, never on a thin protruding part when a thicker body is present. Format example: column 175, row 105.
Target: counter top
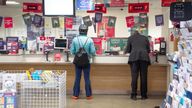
column 40, row 58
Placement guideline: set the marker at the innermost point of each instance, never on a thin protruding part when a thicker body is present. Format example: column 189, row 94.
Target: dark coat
column 139, row 48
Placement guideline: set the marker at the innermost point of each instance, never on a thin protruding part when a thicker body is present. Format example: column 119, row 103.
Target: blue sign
column 85, row 5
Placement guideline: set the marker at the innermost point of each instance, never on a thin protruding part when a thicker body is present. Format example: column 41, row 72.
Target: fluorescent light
column 12, row 3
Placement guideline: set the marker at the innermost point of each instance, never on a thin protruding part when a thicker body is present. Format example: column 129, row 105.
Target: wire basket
column 40, row 93
column 44, row 94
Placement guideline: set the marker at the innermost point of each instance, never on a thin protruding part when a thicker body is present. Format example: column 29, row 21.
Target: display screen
column 59, row 7
column 61, row 44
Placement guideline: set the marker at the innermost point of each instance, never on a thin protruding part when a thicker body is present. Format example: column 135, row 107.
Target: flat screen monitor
column 61, row 43
column 59, row 7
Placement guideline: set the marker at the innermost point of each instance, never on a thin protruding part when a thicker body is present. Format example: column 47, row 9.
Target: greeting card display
column 7, row 100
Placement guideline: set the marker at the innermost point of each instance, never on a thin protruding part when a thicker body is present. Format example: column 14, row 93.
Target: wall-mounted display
column 180, row 11
column 85, row 5
column 59, row 7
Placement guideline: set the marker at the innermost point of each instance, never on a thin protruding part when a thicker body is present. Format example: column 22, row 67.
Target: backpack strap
column 78, row 41
column 85, row 42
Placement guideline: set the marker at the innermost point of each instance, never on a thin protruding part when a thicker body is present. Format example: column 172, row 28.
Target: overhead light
column 12, row 3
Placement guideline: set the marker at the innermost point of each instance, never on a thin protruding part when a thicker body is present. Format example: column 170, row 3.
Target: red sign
column 138, row 7
column 68, row 23
column 32, row 7
column 117, row 3
column 158, row 40
column 8, row 22
column 167, row 3
column 130, row 21
column 98, row 45
column 42, row 38
column 98, row 8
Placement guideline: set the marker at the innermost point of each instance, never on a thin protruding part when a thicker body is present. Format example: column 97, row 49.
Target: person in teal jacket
column 90, row 49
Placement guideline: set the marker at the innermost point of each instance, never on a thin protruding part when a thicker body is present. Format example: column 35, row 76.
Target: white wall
column 120, row 29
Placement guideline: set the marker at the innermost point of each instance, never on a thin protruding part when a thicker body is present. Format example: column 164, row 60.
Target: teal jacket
column 89, row 47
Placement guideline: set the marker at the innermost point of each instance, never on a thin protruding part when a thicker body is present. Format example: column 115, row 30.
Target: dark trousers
column 76, row 88
column 136, row 67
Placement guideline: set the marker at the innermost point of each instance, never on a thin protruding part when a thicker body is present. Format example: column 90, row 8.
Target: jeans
column 76, row 88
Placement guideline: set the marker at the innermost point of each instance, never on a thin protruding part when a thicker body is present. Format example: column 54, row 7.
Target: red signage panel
column 166, row 3
column 8, row 22
column 138, row 7
column 32, row 7
column 117, row 3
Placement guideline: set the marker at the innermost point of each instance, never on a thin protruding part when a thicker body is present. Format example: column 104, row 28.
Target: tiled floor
column 113, row 101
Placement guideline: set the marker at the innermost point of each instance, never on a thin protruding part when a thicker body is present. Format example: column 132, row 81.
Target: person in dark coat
column 139, row 48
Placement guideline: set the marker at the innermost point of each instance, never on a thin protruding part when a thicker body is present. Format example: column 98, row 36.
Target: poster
column 98, row 17
column 130, row 21
column 117, row 44
column 159, row 20
column 112, row 21
column 1, row 20
column 87, row 21
column 8, row 22
column 74, row 31
column 55, row 22
column 68, row 23
column 37, row 20
column 98, row 45
column 103, row 30
column 27, row 19
column 85, row 5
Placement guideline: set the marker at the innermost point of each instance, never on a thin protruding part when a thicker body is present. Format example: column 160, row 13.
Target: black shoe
column 134, row 97
column 144, row 97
